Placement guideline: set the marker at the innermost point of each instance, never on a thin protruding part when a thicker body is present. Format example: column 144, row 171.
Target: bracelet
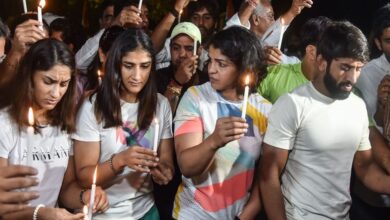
column 112, row 164
column 82, row 196
column 35, row 214
column 174, row 12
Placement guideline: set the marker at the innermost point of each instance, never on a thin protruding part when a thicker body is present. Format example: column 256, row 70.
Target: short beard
column 333, row 88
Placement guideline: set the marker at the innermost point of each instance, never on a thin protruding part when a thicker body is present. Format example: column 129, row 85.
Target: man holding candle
column 182, row 73
column 310, row 149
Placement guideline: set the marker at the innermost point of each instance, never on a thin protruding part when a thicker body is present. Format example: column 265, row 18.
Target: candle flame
column 85, row 210
column 30, row 117
column 247, row 80
column 155, row 120
column 99, row 73
column 94, row 176
column 42, row 3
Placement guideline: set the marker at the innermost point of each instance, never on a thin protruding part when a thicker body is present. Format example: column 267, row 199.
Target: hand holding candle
column 92, row 197
column 40, row 6
column 30, row 136
column 246, row 94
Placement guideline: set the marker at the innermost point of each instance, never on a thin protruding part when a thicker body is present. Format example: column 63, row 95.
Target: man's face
column 341, row 75
column 205, row 22
column 182, row 47
column 265, row 18
column 107, row 17
column 383, row 43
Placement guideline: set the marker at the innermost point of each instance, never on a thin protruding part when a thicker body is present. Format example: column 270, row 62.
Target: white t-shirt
column 50, row 156
column 322, row 135
column 216, row 194
column 126, row 202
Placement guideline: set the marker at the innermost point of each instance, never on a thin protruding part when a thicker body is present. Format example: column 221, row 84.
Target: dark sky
column 359, row 12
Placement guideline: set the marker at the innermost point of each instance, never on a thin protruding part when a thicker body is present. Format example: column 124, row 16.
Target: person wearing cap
column 182, row 72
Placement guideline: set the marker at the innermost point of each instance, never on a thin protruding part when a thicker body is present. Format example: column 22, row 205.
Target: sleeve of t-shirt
column 188, row 118
column 283, row 123
column 167, row 114
column 7, row 140
column 235, row 21
column 87, row 127
column 365, row 141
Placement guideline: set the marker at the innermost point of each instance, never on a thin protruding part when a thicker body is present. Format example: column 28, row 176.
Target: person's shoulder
column 5, row 117
column 281, row 68
column 257, row 98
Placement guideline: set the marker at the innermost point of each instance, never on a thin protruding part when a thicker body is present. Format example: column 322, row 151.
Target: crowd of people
column 188, row 121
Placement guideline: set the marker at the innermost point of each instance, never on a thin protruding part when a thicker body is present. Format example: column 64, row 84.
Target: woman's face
column 50, row 86
column 135, row 71
column 223, row 72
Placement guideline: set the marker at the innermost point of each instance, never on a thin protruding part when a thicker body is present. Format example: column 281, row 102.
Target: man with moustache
column 317, row 133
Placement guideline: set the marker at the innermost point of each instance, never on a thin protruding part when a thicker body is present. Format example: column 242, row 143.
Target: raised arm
column 272, row 163
column 161, row 31
column 26, row 34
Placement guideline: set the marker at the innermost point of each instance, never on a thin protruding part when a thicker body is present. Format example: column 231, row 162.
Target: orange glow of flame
column 30, row 117
column 247, row 80
column 94, row 176
column 155, row 120
column 42, row 3
column 99, row 73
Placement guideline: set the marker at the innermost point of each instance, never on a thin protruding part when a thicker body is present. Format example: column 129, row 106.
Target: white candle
column 195, row 47
column 155, row 139
column 139, row 5
column 30, row 136
column 99, row 77
column 85, row 211
column 92, row 197
column 24, row 6
column 282, row 29
column 246, row 94
column 179, row 17
column 40, row 6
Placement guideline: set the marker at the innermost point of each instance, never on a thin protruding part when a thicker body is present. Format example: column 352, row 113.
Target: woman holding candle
column 45, row 81
column 116, row 127
column 215, row 147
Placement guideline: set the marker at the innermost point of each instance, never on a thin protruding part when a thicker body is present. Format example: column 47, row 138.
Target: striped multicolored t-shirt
column 222, row 192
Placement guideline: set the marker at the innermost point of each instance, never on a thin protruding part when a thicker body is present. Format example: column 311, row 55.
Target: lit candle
column 139, row 5
column 179, row 17
column 282, row 29
column 40, row 6
column 24, row 6
column 30, row 136
column 92, row 198
column 85, row 211
column 156, row 129
column 246, row 94
column 99, row 77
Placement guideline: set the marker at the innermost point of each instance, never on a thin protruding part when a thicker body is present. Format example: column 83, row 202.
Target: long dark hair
column 108, row 107
column 243, row 48
column 44, row 55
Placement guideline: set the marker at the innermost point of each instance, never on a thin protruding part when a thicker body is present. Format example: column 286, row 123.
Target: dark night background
column 359, row 12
